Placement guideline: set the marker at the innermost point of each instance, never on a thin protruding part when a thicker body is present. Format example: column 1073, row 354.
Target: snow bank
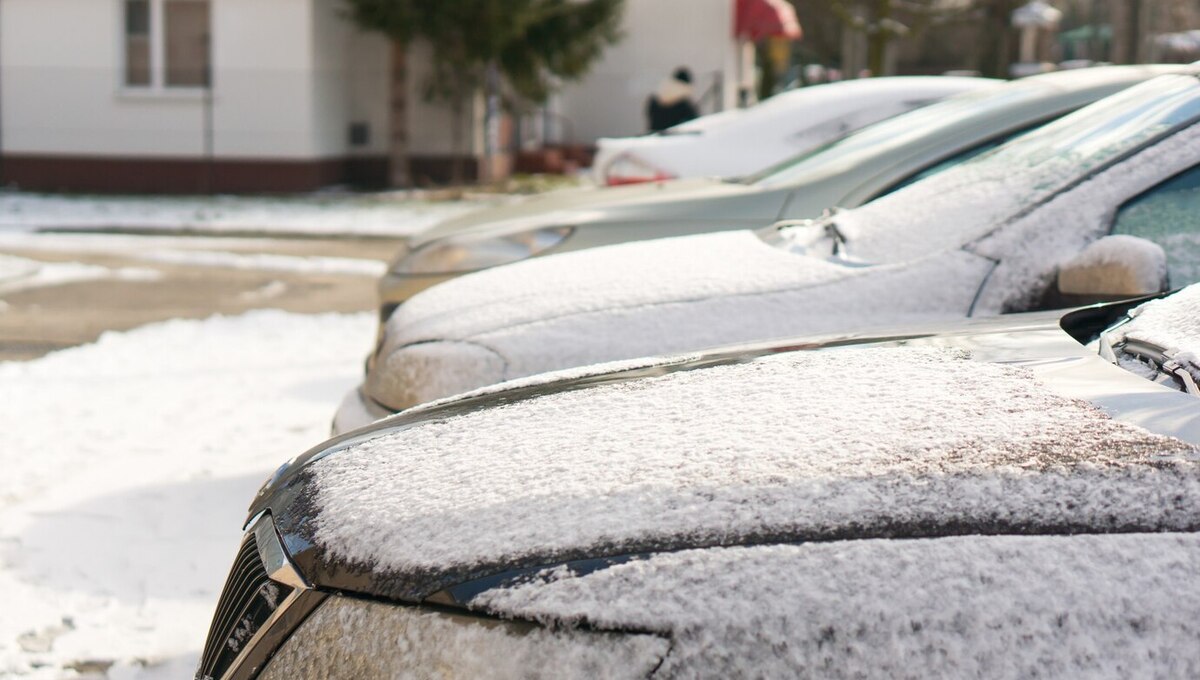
column 19, row 273
column 803, row 444
column 373, row 214
column 1112, row 606
column 128, row 465
column 267, row 262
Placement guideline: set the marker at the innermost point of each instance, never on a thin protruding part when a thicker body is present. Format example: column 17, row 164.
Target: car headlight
column 461, row 254
column 351, row 638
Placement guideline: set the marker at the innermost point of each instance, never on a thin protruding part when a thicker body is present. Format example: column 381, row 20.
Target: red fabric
column 757, row 19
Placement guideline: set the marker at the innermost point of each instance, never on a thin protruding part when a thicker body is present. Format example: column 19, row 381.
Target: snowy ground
column 380, row 214
column 128, row 465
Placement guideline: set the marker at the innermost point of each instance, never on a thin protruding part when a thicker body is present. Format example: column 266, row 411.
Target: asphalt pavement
column 39, row 319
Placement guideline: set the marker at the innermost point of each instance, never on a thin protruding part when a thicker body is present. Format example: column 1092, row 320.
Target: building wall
column 659, row 36
column 290, row 78
column 62, row 89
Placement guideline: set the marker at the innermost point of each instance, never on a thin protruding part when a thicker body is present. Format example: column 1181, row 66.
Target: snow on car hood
column 637, row 299
column 804, row 445
column 968, row 607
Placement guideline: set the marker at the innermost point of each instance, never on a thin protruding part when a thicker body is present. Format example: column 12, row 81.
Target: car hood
column 922, row 436
column 970, row 606
column 654, row 201
column 651, row 297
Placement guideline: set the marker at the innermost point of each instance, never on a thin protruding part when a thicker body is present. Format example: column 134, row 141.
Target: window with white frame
column 166, row 43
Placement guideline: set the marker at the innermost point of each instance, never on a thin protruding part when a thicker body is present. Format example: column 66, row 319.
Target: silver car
column 846, row 173
column 1103, row 202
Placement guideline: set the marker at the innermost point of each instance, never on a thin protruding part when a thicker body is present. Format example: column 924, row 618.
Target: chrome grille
column 248, row 600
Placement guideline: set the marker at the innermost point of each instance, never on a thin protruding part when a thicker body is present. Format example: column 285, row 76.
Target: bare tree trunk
column 400, row 175
column 877, row 41
column 996, row 43
column 456, row 163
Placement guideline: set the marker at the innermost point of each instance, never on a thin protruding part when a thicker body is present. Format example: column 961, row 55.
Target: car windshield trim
column 896, row 131
column 1022, row 174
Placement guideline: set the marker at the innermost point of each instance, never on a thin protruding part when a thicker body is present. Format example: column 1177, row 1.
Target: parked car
column 992, row 498
column 984, row 237
column 846, row 173
column 743, row 141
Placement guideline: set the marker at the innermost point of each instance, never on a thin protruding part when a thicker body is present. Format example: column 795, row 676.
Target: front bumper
column 263, row 601
column 272, row 624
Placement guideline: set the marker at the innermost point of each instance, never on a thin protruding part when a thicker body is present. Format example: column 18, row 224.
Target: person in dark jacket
column 672, row 103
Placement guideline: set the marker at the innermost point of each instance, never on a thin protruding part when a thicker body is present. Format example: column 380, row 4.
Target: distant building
column 202, row 95
column 286, row 95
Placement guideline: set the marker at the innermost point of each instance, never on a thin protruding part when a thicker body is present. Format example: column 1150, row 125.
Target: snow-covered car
column 993, row 498
column 846, row 173
column 986, row 236
column 743, row 141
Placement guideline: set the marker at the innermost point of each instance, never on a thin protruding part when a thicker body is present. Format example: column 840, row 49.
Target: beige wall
column 62, row 90
column 659, row 36
column 289, row 78
column 352, row 84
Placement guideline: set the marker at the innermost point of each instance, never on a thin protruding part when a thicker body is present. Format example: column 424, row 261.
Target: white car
column 984, row 237
column 742, row 141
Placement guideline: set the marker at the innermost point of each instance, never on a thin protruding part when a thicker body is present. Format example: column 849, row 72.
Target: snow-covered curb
column 333, row 215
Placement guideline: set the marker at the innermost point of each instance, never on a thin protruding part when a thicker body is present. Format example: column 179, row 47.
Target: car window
column 1169, row 215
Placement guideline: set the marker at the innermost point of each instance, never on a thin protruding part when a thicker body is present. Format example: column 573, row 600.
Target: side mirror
column 1112, row 268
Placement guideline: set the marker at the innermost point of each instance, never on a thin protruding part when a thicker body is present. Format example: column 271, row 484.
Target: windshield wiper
column 1167, row 363
column 835, row 235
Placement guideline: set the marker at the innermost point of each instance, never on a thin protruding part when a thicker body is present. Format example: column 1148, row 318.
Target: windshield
column 968, row 201
column 842, row 154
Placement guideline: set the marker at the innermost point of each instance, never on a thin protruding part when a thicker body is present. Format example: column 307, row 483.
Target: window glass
column 1169, row 215
column 186, row 46
column 137, row 42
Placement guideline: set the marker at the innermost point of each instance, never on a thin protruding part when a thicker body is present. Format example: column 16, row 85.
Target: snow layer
column 381, row 214
column 1115, row 606
column 128, row 465
column 801, row 444
column 637, row 299
column 359, row 640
